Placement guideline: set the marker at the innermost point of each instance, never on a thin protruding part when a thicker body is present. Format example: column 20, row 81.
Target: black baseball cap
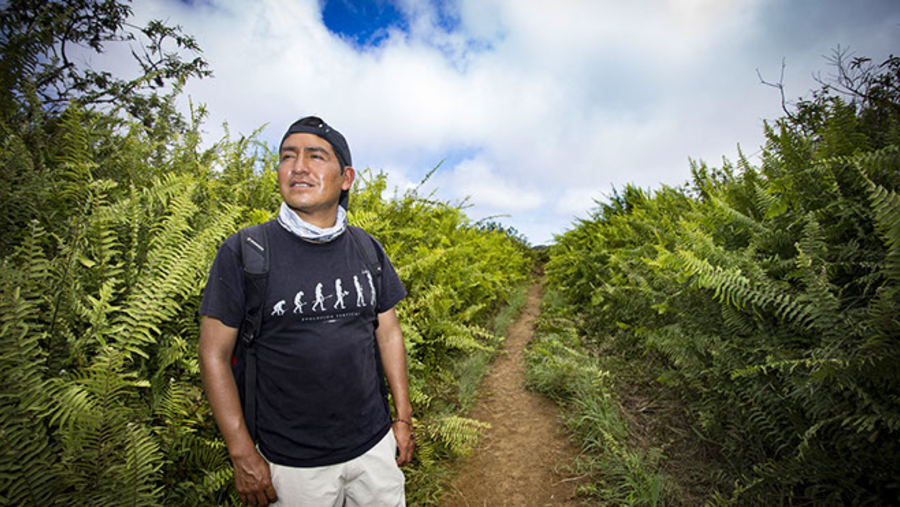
column 316, row 126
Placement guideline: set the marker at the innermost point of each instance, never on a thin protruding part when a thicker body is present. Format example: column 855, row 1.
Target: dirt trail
column 517, row 463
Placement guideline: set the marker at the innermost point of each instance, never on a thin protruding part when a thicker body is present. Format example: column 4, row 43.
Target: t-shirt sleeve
column 392, row 289
column 223, row 297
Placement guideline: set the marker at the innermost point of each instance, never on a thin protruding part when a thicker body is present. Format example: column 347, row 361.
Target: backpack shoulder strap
column 255, row 263
column 255, row 249
column 366, row 246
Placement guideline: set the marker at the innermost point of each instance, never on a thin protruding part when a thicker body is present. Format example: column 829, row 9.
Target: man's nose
column 299, row 166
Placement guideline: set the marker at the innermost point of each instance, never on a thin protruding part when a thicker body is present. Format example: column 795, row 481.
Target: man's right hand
column 253, row 479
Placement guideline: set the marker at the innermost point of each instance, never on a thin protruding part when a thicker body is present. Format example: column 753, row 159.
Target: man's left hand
column 406, row 441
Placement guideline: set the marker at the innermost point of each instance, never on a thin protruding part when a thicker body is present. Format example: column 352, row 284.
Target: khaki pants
column 371, row 480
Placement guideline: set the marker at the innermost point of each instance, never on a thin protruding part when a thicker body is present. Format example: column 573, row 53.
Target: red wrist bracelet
column 412, row 434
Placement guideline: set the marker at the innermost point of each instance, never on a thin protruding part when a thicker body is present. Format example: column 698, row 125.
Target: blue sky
column 364, row 23
column 537, row 109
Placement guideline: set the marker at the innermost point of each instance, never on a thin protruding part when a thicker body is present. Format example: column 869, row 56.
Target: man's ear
column 349, row 176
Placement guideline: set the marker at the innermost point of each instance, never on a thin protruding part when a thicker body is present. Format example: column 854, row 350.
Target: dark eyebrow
column 317, row 149
column 307, row 149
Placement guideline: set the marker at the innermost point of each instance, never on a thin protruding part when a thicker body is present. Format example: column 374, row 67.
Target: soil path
column 518, row 461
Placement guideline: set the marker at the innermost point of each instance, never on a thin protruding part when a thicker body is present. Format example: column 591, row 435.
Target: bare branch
column 780, row 86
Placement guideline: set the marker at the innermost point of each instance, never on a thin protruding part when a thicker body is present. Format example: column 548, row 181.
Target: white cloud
column 559, row 101
column 476, row 179
column 579, row 200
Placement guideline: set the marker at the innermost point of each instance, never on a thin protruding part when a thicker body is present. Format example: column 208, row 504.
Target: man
column 325, row 434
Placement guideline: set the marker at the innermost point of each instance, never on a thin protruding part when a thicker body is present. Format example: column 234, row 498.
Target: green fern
column 104, row 445
column 27, row 476
column 176, row 265
column 886, row 208
column 140, row 474
column 459, row 434
column 28, row 450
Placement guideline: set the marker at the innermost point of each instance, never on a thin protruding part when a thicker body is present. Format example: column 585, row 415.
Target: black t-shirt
column 319, row 398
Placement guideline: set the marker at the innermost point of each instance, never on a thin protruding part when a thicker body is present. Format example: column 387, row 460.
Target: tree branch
column 780, row 86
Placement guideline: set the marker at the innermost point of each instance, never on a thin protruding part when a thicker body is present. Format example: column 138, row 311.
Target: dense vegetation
column 766, row 297
column 112, row 208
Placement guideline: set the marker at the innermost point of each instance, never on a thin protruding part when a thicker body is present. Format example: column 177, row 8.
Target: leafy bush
column 769, row 297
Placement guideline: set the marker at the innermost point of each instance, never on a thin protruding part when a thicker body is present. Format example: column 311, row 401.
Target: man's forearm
column 396, row 373
column 393, row 359
column 221, row 389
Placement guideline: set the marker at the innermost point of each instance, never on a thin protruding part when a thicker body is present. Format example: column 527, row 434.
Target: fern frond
column 27, row 475
column 886, row 207
column 818, row 295
column 737, row 217
column 736, row 322
column 789, row 366
column 179, row 264
column 428, row 301
column 140, row 474
column 27, row 453
column 370, row 220
column 107, row 458
column 426, row 260
column 731, row 287
column 74, row 159
column 459, row 434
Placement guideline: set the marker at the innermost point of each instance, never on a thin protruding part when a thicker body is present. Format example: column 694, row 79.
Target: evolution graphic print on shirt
column 319, row 389
column 321, row 300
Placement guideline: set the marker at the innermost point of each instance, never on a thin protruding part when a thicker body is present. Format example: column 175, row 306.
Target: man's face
column 310, row 178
